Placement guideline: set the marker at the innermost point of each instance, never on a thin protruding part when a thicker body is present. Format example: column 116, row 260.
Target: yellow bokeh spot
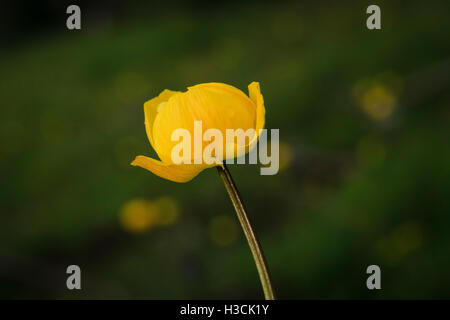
column 138, row 215
column 370, row 151
column 378, row 102
column 286, row 155
column 223, row 230
column 169, row 210
column 377, row 96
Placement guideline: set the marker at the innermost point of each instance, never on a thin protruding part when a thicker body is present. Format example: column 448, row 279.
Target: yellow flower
column 217, row 105
column 139, row 215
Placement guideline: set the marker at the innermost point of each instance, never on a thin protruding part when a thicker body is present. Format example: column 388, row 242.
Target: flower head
column 218, row 106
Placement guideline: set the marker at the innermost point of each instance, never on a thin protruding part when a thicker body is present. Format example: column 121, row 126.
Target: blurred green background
column 364, row 128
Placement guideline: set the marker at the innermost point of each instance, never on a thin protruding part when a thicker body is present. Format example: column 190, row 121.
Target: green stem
column 255, row 247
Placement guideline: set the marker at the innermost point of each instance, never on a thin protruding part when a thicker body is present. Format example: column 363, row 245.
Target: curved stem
column 255, row 247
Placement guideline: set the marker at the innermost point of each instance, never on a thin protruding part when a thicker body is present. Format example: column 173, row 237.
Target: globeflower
column 218, row 109
column 215, row 109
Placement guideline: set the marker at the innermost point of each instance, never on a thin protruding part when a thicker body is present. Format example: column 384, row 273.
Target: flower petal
column 217, row 106
column 256, row 96
column 151, row 110
column 177, row 173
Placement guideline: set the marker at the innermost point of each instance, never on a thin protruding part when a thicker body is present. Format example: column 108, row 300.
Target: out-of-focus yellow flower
column 139, row 215
column 223, row 230
column 377, row 96
column 217, row 105
column 285, row 155
column 378, row 102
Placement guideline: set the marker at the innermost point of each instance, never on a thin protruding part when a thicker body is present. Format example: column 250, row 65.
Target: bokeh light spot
column 378, row 103
column 286, row 155
column 377, row 97
column 138, row 215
